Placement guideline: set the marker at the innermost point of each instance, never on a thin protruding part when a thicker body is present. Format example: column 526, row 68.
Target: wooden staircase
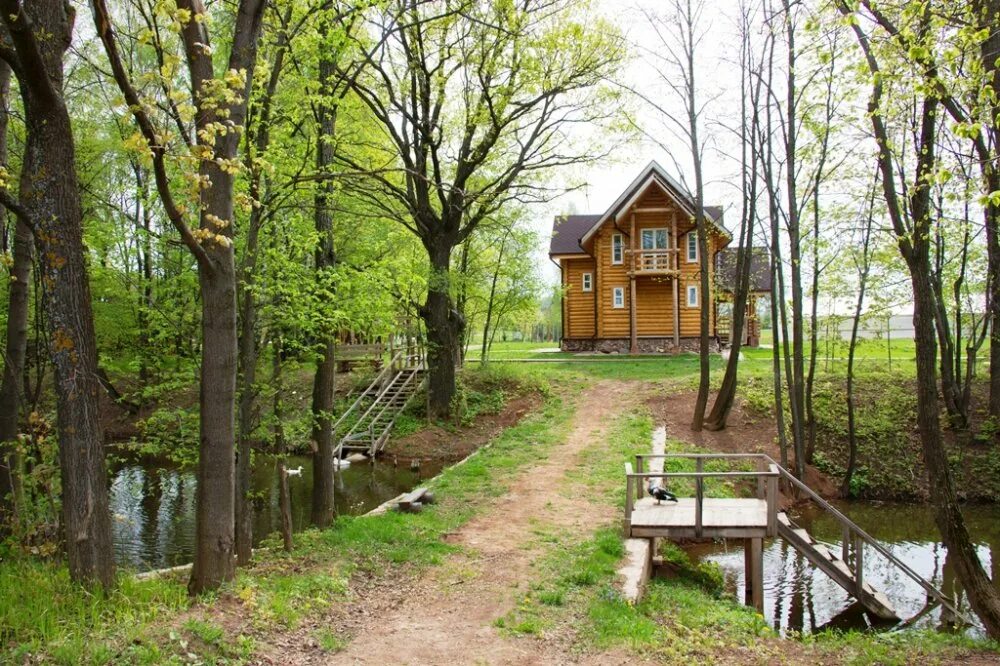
column 837, row 569
column 754, row 519
column 847, row 569
column 375, row 411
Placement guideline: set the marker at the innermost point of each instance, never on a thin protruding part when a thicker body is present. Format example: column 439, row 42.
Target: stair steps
column 839, row 571
column 379, row 407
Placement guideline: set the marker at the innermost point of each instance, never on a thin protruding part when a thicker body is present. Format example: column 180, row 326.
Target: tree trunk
column 247, row 378
column 326, row 259
column 813, row 332
column 17, row 337
column 487, row 343
column 852, row 437
column 442, row 323
column 796, row 383
column 50, row 195
column 284, row 495
column 215, row 539
column 988, row 14
column 983, row 596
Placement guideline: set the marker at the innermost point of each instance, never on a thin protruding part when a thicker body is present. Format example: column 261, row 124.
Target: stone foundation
column 646, row 345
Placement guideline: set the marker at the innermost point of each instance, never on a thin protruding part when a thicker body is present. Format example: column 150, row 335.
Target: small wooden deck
column 752, row 519
column 721, row 518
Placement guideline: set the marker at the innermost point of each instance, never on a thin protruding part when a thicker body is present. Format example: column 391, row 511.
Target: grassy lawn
column 46, row 619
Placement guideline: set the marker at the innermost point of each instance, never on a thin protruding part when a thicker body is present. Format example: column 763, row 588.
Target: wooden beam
column 634, row 333
column 757, row 566
column 676, row 280
column 653, row 209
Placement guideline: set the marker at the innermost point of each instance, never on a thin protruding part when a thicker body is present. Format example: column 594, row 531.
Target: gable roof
column 655, row 174
column 760, row 269
column 567, row 231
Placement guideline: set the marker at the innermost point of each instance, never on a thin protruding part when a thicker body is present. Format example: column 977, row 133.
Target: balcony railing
column 656, row 261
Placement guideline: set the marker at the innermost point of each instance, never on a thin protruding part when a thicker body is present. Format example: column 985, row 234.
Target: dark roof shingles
column 760, row 269
column 567, row 230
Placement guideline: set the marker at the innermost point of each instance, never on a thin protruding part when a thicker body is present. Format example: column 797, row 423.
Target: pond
column 798, row 597
column 153, row 503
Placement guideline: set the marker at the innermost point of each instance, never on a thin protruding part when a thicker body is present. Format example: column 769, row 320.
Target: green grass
column 45, row 617
column 683, row 617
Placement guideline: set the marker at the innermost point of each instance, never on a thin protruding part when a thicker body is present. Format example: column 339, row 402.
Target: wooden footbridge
column 366, row 424
column 752, row 519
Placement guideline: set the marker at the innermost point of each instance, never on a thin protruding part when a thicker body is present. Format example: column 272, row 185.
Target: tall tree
column 38, row 35
column 220, row 107
column 17, row 331
column 751, row 83
column 472, row 99
column 910, row 216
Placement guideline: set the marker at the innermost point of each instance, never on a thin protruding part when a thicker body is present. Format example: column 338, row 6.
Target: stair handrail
column 378, row 378
column 376, row 441
column 378, row 398
column 851, row 526
column 401, row 388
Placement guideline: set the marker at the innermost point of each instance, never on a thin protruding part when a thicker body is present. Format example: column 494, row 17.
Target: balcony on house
column 656, row 262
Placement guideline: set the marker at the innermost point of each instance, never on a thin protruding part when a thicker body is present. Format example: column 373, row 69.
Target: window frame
column 587, row 281
column 697, row 296
column 617, row 246
column 653, row 230
column 693, row 234
column 615, row 293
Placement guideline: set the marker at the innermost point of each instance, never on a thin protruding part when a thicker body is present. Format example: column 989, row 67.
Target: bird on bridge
column 659, row 493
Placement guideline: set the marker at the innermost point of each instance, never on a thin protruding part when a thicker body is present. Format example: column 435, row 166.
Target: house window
column 588, row 282
column 655, row 239
column 692, row 247
column 692, row 296
column 617, row 249
column 618, row 298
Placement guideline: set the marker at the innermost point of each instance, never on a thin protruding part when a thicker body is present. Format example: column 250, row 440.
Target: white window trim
column 615, row 293
column 687, row 247
column 621, row 247
column 587, row 282
column 697, row 300
column 665, row 230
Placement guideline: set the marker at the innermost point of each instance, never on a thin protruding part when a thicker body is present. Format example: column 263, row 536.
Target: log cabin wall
column 579, row 304
column 654, row 294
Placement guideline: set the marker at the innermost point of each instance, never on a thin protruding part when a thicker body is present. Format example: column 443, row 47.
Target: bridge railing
column 766, row 476
column 768, row 472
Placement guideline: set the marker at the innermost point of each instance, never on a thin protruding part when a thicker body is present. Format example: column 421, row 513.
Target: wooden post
column 677, row 288
column 639, row 468
column 859, row 566
column 772, row 503
column 634, row 333
column 747, row 573
column 757, row 565
column 627, row 523
column 699, row 494
column 761, row 467
column 845, row 544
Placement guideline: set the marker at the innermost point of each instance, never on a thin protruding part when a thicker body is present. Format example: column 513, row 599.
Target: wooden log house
column 631, row 276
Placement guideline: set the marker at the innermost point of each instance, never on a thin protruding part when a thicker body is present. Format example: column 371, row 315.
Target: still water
column 799, row 597
column 153, row 504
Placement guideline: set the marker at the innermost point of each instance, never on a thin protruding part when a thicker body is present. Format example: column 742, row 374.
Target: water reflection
column 153, row 504
column 799, row 597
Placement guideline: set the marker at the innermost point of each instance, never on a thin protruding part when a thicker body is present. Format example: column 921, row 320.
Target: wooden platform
column 721, row 518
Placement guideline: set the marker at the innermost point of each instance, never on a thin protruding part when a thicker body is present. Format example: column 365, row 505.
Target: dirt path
column 448, row 615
